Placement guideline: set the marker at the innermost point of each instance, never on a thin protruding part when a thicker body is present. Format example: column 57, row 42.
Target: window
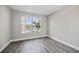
column 30, row 24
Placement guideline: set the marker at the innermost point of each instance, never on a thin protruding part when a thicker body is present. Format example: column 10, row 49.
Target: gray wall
column 64, row 25
column 4, row 26
column 16, row 25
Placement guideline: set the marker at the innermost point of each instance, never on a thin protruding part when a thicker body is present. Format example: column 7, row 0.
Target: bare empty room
column 39, row 29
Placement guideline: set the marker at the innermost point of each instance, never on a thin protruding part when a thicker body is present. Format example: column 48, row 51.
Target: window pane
column 30, row 24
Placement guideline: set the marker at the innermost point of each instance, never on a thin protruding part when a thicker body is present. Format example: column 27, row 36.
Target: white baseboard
column 14, row 40
column 27, row 38
column 63, row 42
column 70, row 45
column 5, row 46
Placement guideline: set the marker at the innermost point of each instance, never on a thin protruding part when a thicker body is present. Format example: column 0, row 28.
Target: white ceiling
column 39, row 9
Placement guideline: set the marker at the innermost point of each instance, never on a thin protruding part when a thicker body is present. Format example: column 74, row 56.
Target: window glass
column 30, row 24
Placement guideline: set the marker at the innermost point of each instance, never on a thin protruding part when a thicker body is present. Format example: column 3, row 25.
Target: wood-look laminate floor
column 39, row 45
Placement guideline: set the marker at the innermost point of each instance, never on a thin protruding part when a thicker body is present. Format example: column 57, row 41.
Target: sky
column 29, row 20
